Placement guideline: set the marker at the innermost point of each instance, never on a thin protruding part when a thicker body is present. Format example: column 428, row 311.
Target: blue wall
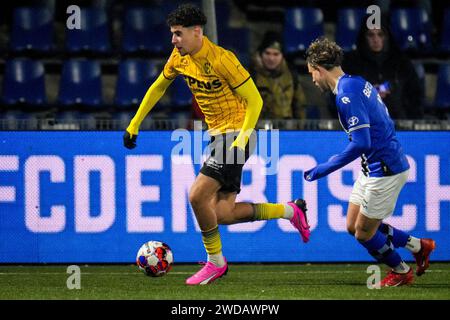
column 83, row 197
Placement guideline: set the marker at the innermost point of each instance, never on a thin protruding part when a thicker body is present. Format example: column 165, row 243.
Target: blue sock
column 382, row 249
column 397, row 237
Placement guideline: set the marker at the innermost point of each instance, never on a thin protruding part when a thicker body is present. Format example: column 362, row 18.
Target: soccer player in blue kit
column 366, row 120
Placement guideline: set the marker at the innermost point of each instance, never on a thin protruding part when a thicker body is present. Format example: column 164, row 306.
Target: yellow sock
column 211, row 241
column 267, row 211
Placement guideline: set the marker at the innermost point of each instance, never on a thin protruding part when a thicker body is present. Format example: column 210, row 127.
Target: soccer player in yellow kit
column 231, row 104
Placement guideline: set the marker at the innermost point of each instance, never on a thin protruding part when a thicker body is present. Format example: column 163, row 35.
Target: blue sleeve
column 359, row 144
column 353, row 111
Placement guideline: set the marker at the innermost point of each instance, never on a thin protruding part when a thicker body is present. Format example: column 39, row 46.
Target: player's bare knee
column 197, row 198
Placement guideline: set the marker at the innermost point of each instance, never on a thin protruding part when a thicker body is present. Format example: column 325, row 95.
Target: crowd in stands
column 50, row 68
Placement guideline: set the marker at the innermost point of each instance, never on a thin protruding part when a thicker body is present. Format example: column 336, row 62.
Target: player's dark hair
column 186, row 15
column 325, row 53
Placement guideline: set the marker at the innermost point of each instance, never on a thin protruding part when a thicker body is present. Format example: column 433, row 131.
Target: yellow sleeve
column 154, row 93
column 250, row 93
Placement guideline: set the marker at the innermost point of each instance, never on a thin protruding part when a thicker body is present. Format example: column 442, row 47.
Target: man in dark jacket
column 379, row 60
column 278, row 85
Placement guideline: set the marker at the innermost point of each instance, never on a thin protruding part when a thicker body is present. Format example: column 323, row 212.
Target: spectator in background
column 379, row 60
column 279, row 88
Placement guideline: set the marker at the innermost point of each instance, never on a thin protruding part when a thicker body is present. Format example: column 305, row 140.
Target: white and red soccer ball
column 154, row 258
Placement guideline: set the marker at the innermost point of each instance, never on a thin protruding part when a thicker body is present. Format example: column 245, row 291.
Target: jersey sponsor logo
column 367, row 89
column 192, row 82
column 353, row 121
column 345, row 100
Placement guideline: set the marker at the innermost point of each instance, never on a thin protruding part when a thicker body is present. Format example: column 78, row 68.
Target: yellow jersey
column 212, row 74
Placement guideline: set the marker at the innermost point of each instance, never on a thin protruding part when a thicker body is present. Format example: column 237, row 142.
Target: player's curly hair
column 186, row 15
column 325, row 53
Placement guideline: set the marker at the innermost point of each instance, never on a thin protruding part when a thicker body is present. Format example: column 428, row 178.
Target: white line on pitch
column 182, row 272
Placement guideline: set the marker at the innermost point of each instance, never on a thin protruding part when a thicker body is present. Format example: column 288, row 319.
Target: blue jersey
column 360, row 106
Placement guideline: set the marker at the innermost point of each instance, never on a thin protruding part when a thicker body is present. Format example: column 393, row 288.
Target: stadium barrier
column 80, row 196
column 101, row 122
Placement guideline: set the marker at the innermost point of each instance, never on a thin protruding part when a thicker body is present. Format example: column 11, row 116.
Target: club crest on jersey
column 184, row 61
column 207, row 68
column 345, row 100
column 353, row 121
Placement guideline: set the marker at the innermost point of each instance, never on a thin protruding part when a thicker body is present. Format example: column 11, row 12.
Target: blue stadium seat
column 222, row 9
column 301, row 27
column 180, row 93
column 134, row 78
column 24, row 82
column 93, row 35
column 80, row 83
column 143, row 33
column 235, row 39
column 445, row 37
column 167, row 7
column 32, row 29
column 411, row 28
column 420, row 71
column 442, row 98
column 348, row 25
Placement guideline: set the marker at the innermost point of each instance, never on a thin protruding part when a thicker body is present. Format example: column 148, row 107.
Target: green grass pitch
column 243, row 282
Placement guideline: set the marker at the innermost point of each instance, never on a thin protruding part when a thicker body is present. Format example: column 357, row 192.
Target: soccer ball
column 154, row 258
